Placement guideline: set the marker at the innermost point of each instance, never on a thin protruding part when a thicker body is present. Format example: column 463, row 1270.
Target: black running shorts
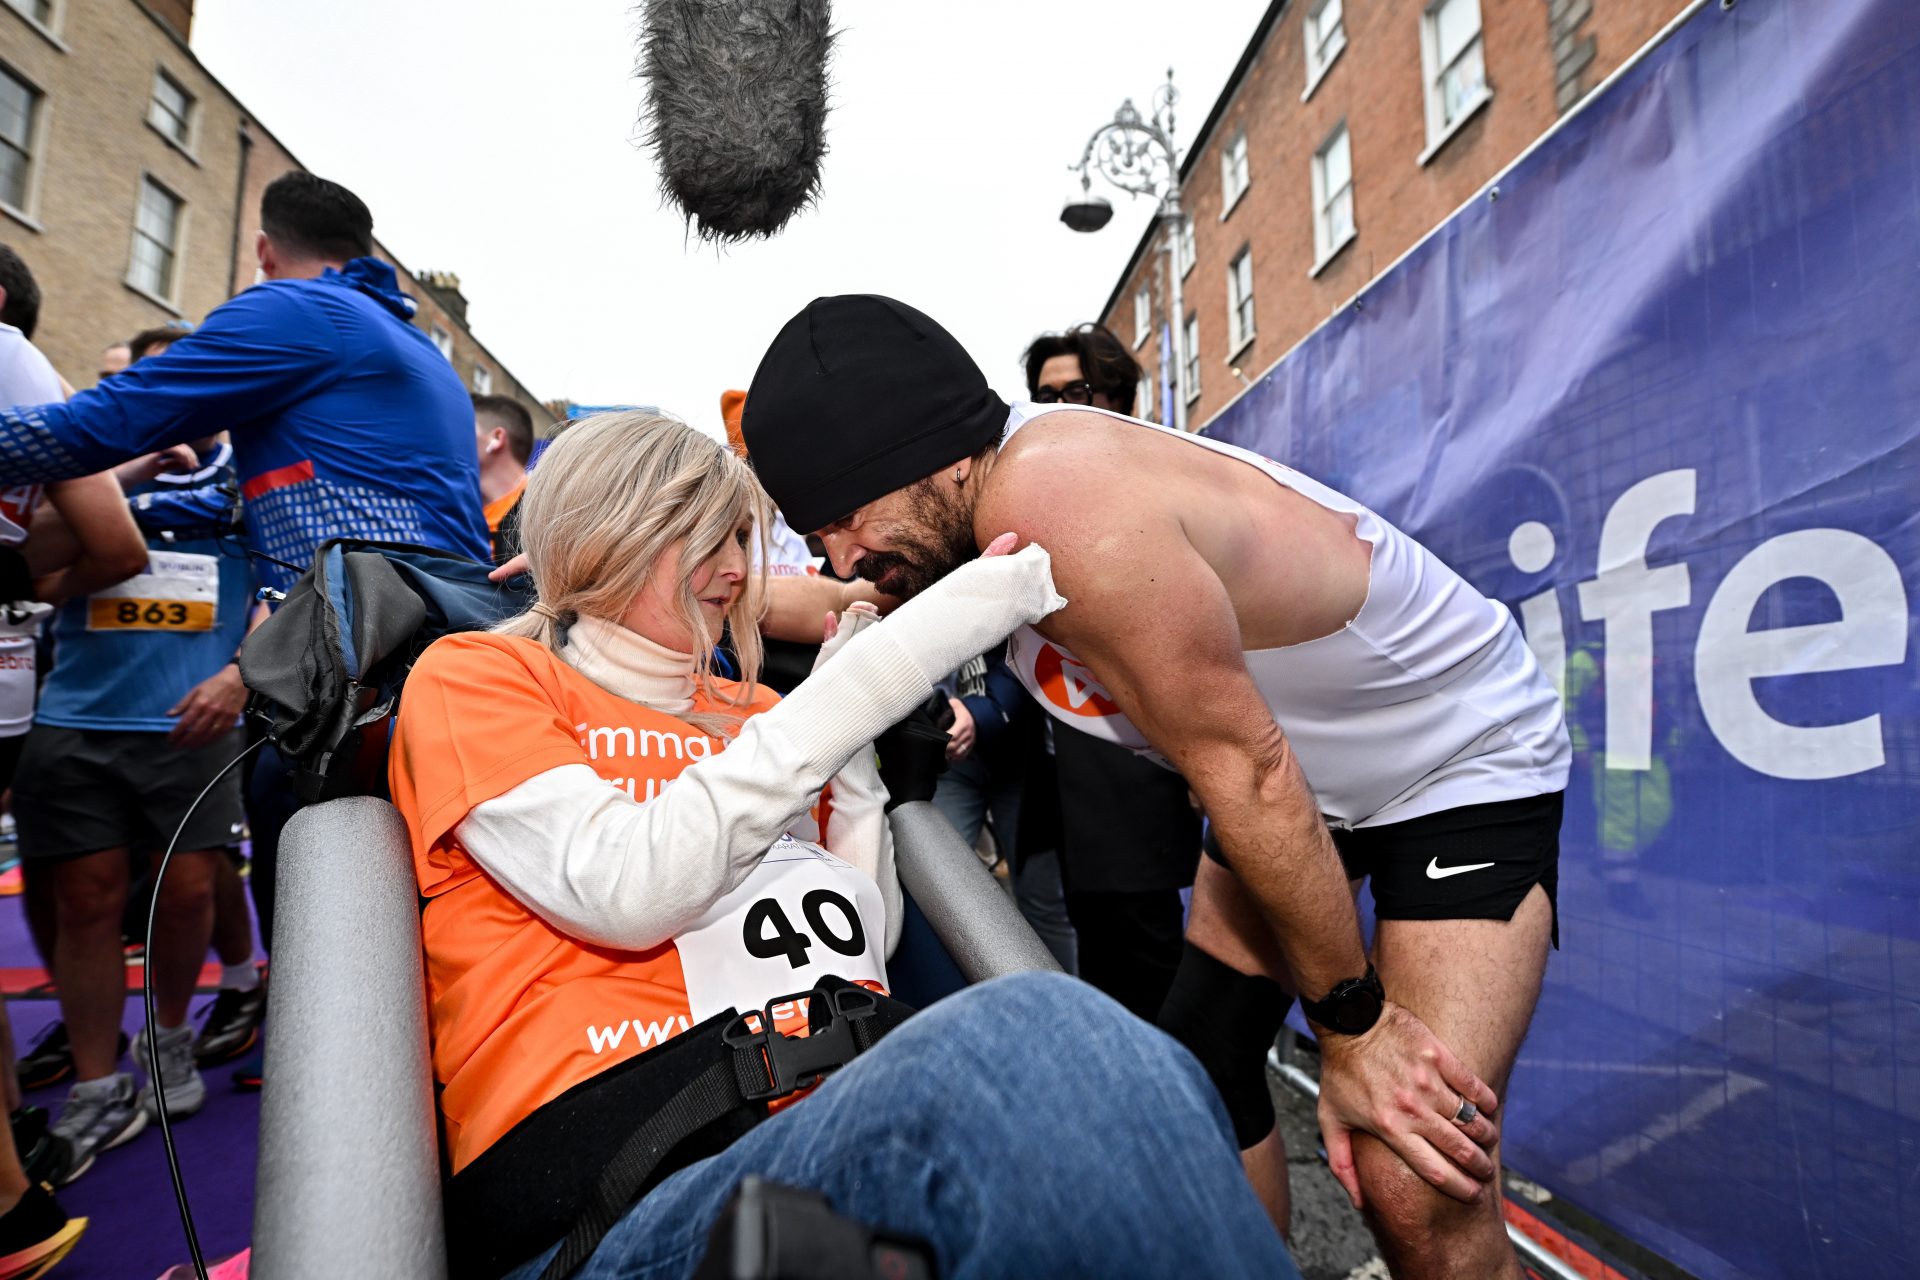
column 1476, row 862
column 83, row 790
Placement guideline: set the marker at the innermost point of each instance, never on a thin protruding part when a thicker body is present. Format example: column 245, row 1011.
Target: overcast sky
column 497, row 139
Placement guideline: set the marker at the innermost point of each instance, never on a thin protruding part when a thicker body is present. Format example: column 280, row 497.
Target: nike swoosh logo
column 1437, row 872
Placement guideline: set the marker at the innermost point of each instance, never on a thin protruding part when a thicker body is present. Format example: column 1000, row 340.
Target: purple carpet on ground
column 134, row 1229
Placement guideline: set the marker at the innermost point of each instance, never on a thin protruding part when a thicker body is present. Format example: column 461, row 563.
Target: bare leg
column 41, row 911
column 232, row 925
column 1265, row 1163
column 91, row 893
column 13, row 1178
column 1227, row 924
column 181, row 931
column 1474, row 982
column 9, row 1081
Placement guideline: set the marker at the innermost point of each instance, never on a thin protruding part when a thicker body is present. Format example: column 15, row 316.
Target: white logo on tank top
column 1080, row 685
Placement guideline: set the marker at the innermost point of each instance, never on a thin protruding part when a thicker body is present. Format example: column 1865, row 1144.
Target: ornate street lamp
column 1137, row 155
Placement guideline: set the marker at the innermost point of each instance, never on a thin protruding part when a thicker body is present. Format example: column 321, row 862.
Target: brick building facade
column 1346, row 133
column 130, row 182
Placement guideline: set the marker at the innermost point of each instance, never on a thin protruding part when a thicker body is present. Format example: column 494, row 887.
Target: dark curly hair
column 1105, row 362
column 22, row 307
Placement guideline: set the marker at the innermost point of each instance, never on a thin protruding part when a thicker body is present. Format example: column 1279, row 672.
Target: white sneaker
column 186, row 1091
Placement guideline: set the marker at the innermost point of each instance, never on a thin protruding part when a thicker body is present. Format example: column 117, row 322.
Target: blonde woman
column 618, row 848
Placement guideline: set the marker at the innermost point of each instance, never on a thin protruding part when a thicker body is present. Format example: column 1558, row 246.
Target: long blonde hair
column 608, row 499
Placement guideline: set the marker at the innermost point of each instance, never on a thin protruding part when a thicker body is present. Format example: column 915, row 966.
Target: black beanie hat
column 858, row 396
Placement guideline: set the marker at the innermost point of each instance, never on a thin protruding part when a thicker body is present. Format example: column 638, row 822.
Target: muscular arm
column 1154, row 622
column 91, row 540
column 255, row 354
column 797, row 604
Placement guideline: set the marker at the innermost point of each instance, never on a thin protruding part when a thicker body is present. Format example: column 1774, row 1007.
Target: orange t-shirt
column 496, row 511
column 520, row 1011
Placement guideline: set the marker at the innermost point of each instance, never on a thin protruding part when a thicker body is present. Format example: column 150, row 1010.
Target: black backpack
column 326, row 670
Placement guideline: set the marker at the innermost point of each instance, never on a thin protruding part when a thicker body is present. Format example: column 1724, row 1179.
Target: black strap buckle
column 793, row 1063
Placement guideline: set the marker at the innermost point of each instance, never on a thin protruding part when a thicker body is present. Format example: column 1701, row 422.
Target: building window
column 1143, row 405
column 1326, row 36
column 1188, row 250
column 482, row 380
column 19, row 110
column 171, row 111
column 1142, row 315
column 442, row 340
column 1190, row 375
column 1456, row 73
column 1234, row 179
column 1332, row 196
column 40, row 11
column 1239, row 302
column 156, row 241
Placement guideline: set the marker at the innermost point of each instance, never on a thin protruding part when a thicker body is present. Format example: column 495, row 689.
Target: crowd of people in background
column 142, row 552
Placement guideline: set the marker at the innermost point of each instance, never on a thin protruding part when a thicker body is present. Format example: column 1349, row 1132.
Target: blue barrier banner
column 1659, row 391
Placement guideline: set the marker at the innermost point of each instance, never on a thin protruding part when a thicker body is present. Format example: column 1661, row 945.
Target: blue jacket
column 993, row 696
column 346, row 420
column 124, row 656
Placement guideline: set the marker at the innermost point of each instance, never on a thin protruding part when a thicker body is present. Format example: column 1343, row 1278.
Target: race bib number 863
column 179, row 591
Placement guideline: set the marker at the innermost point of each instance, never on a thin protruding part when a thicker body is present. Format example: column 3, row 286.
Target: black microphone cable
column 152, row 1029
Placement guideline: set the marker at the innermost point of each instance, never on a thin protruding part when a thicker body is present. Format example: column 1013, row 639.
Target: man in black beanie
column 1216, row 597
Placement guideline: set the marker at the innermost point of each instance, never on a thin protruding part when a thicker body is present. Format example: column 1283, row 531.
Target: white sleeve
column 857, row 829
column 857, row 832
column 602, row 867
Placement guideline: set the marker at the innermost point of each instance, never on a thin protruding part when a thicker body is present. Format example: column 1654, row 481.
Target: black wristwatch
column 1351, row 1008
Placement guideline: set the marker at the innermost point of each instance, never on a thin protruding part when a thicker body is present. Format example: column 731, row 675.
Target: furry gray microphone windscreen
column 737, row 109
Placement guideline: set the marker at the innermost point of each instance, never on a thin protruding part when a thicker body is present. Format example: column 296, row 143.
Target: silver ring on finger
column 1466, row 1114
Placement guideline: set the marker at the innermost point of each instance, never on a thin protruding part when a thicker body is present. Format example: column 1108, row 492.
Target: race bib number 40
column 801, row 915
column 179, row 591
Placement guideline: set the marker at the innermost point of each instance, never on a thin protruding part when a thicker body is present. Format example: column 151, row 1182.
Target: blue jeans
column 1028, row 1126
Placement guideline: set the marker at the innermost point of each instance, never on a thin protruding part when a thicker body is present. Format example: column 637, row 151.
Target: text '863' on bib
column 179, row 591
column 801, row 915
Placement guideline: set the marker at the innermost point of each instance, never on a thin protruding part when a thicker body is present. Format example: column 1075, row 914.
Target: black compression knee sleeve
column 1228, row 1020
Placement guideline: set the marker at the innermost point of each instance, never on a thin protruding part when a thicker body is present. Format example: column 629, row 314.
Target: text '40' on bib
column 801, row 915
column 178, row 591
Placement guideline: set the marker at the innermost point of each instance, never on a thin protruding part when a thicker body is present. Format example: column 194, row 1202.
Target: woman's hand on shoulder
column 1023, row 578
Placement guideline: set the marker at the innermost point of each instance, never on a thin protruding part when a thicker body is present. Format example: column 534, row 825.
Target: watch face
column 1357, row 1009
column 1351, row 1008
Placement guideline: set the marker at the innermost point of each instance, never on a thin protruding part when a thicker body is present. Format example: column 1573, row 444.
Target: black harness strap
column 710, row 1095
column 760, row 1064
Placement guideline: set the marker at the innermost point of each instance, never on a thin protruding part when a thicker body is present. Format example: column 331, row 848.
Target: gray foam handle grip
column 971, row 914
column 349, row 1155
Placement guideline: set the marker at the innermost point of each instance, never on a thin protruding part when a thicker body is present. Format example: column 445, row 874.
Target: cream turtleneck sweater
column 627, row 663
column 601, row 866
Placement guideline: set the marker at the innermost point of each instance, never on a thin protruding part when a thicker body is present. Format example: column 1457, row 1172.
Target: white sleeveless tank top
column 1429, row 699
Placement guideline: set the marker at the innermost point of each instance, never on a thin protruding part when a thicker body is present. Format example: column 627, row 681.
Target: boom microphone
column 737, row 109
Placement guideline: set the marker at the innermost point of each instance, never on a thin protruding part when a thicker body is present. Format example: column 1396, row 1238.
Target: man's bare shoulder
column 1065, row 434
column 1065, row 477
column 1079, row 489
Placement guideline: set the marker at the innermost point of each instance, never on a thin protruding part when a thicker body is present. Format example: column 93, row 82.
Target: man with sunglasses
column 1333, row 692
column 1085, row 365
column 1129, row 838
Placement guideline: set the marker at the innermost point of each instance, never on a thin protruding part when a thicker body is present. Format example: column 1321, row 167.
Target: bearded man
column 1345, row 706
